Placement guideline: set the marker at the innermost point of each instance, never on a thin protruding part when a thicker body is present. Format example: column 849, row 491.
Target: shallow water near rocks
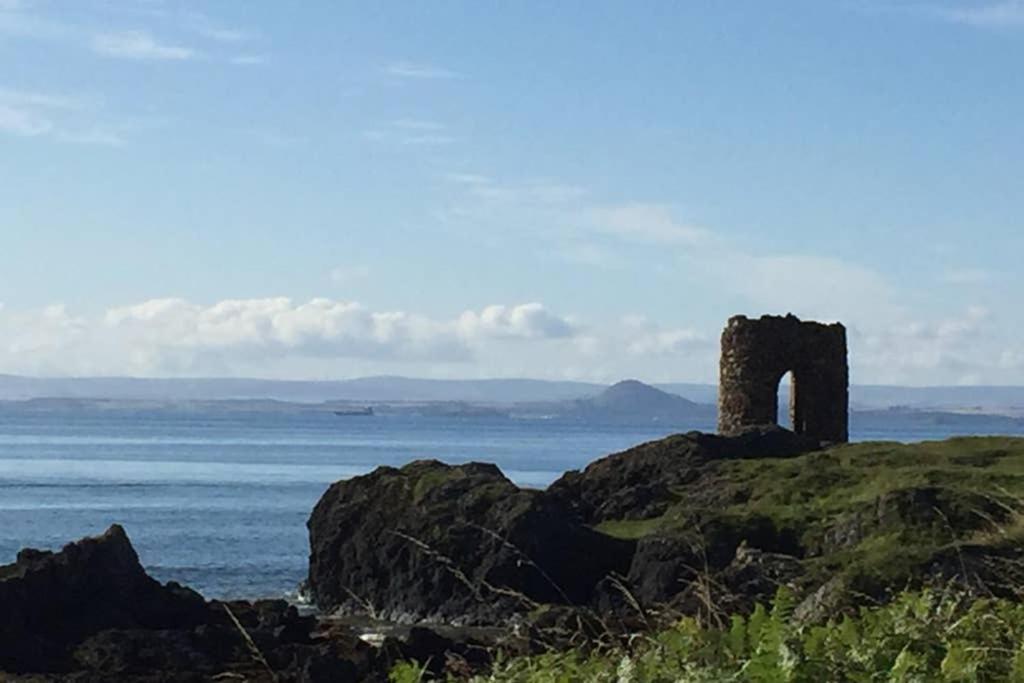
column 219, row 501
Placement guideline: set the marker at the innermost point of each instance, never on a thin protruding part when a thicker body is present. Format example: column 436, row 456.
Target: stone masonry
column 757, row 353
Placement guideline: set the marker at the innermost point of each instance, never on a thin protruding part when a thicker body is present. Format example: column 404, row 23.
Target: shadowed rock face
column 638, row 483
column 756, row 354
column 90, row 613
column 439, row 542
column 52, row 600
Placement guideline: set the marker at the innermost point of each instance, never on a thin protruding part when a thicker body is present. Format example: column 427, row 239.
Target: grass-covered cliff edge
column 693, row 529
column 878, row 516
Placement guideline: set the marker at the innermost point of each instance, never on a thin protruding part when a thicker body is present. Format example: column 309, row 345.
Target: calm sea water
column 219, row 501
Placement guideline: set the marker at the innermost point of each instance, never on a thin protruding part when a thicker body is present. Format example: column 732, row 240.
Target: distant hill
column 1006, row 400
column 631, row 400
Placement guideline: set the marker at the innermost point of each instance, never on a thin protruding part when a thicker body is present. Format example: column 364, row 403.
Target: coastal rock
column 91, row 613
column 663, row 566
column 437, row 542
column 753, row 577
column 667, row 563
column 638, row 483
column 51, row 601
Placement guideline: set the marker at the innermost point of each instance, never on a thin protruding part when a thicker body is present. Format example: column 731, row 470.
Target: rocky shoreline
column 457, row 563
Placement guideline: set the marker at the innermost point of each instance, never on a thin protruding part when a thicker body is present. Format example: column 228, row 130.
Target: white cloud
column 467, row 178
column 410, row 132
column 64, row 118
column 647, row 223
column 419, row 71
column 968, row 276
column 278, row 337
column 23, row 122
column 261, row 336
column 594, row 255
column 94, row 136
column 208, row 28
column 644, row 338
column 417, row 124
column 226, row 35
column 248, row 60
column 44, row 100
column 526, row 321
column 954, row 350
column 347, row 274
column 811, row 286
column 999, row 15
column 427, row 140
column 534, row 195
column 138, row 45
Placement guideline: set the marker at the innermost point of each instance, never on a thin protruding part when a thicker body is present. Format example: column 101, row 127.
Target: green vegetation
column 923, row 636
column 871, row 512
column 892, row 526
column 630, row 528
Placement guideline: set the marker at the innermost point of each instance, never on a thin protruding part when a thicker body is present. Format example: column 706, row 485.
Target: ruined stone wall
column 757, row 353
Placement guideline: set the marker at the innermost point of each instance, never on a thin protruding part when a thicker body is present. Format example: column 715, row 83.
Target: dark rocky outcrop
column 671, row 526
column 638, row 483
column 91, row 613
column 462, row 543
column 753, row 577
column 432, row 541
column 52, row 601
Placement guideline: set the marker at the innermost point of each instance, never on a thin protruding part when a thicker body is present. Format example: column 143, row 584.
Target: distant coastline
column 628, row 403
column 992, row 400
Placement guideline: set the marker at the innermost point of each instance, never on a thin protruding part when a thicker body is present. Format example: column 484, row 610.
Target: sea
column 219, row 500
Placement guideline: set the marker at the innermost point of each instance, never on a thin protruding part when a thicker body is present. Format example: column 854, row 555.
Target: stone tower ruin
column 757, row 354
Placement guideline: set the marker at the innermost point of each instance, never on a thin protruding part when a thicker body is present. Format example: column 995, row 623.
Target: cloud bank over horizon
column 333, row 339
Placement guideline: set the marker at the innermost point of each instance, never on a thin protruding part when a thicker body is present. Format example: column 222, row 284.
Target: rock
column 753, row 577
column 638, row 483
column 91, row 613
column 450, row 653
column 674, row 568
column 51, row 601
column 826, row 602
column 435, row 542
column 612, row 487
column 123, row 652
column 461, row 543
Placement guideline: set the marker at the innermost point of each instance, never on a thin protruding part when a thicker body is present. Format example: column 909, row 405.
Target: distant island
column 629, row 402
column 1001, row 400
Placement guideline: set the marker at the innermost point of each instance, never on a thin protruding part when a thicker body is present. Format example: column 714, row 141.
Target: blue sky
column 462, row 189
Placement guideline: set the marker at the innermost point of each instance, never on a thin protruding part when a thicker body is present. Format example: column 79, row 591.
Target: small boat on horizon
column 355, row 412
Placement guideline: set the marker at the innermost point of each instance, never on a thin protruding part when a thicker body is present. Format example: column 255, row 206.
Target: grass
column 898, row 504
column 876, row 515
column 920, row 636
column 631, row 529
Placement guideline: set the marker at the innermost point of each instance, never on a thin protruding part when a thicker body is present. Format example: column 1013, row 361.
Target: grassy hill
column 883, row 561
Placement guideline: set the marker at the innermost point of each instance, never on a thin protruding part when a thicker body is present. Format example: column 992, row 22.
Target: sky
column 574, row 190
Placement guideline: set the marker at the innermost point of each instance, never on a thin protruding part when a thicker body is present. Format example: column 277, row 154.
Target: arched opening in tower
column 785, row 396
